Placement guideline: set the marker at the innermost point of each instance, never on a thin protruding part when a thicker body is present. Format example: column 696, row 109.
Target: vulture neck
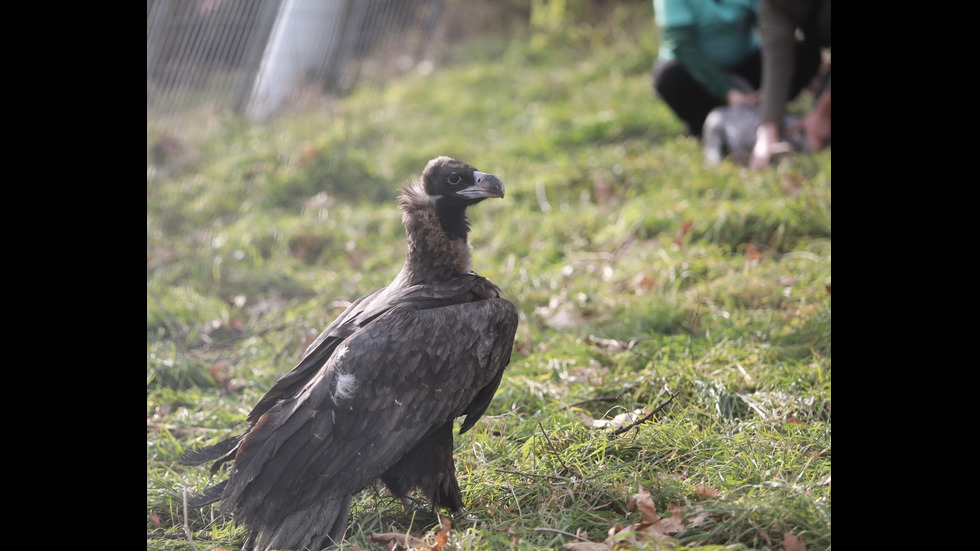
column 433, row 254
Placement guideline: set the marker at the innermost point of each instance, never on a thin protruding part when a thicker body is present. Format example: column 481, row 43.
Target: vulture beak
column 486, row 186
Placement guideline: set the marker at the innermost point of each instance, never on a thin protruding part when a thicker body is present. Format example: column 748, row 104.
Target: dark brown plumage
column 376, row 394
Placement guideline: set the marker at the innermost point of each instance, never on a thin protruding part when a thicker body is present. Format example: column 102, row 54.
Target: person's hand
column 766, row 138
column 816, row 128
column 736, row 97
column 816, row 123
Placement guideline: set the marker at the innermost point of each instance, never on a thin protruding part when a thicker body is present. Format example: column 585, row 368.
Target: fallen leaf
column 651, row 528
column 395, row 540
column 618, row 535
column 443, row 534
column 611, row 344
column 792, row 183
column 644, row 283
column 792, row 543
column 560, row 315
column 307, row 155
column 218, row 371
column 674, row 523
column 638, row 533
column 682, row 231
column 155, row 519
column 786, row 281
column 705, row 491
column 682, row 475
column 642, row 501
column 697, row 519
column 619, row 421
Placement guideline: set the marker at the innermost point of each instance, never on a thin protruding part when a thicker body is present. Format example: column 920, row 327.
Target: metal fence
column 258, row 57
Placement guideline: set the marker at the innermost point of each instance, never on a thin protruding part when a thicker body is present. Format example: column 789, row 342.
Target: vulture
column 376, row 394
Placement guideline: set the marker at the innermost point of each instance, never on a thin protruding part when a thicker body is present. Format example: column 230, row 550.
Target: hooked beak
column 486, row 186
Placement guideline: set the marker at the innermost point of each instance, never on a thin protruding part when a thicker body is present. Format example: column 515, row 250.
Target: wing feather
column 404, row 378
column 395, row 366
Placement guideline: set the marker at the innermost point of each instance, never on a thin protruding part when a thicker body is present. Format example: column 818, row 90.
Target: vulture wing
column 376, row 382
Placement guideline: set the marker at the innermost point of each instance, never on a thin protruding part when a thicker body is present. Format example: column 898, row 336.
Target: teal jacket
column 707, row 37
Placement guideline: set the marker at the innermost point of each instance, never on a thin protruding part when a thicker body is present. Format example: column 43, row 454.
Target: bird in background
column 376, row 394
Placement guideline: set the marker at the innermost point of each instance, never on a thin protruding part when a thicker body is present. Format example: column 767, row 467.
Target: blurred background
column 353, row 97
column 258, row 59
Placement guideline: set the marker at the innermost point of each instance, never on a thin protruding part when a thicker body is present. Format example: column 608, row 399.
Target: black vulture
column 376, row 394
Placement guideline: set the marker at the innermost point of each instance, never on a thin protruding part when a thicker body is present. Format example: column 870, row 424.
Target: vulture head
column 459, row 183
column 454, row 185
column 434, row 215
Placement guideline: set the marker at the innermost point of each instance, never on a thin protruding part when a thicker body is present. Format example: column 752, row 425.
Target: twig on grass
column 550, row 477
column 646, row 418
column 562, row 532
column 553, row 449
column 161, row 535
column 187, row 526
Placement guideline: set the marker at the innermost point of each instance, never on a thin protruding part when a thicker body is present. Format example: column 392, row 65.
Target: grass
column 638, row 273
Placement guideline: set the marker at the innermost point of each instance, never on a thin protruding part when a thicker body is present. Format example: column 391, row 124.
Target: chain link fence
column 256, row 58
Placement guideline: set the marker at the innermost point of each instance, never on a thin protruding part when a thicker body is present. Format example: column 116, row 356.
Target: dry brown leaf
column 642, row 501
column 792, row 543
column 680, row 475
column 651, row 527
column 637, row 533
column 697, row 519
column 611, row 344
column 644, row 283
column 792, row 183
column 618, row 535
column 672, row 524
column 705, row 491
column 619, row 421
column 218, row 371
column 395, row 540
column 443, row 534
column 682, row 231
column 155, row 519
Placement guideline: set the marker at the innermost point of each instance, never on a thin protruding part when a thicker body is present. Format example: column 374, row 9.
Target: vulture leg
column 429, row 466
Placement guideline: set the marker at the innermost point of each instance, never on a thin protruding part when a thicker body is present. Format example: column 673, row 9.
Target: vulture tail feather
column 208, row 496
column 320, row 526
column 211, row 453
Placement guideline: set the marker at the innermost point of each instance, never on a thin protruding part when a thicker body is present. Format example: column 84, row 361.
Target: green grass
column 714, row 280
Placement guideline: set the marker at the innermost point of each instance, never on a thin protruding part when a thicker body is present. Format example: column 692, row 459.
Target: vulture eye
column 454, row 179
